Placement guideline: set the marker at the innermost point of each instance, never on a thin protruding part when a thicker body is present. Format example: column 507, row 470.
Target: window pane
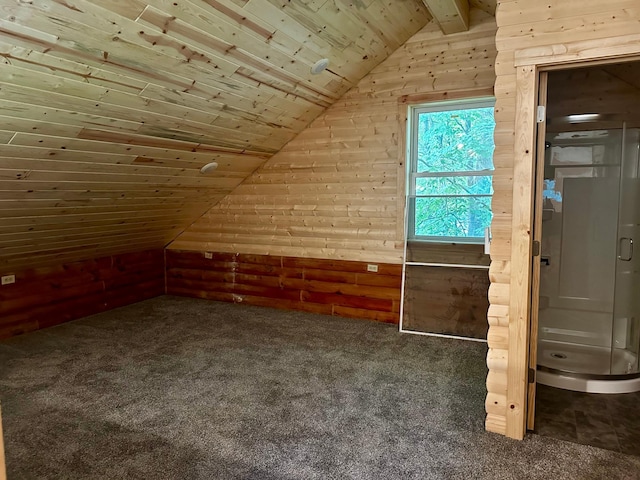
column 452, row 217
column 471, row 185
column 455, row 140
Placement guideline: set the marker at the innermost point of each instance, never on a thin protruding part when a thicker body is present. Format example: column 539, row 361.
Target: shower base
column 585, row 368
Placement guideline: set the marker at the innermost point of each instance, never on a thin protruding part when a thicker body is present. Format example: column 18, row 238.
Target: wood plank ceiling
column 109, row 108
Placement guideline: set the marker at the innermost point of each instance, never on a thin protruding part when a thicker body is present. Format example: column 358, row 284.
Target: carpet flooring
column 178, row 388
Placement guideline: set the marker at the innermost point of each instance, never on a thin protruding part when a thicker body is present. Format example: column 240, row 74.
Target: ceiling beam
column 452, row 15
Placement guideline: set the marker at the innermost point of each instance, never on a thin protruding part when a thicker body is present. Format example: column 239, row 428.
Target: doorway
column 586, row 311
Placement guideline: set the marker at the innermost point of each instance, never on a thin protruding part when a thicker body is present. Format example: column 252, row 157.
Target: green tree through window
column 451, row 165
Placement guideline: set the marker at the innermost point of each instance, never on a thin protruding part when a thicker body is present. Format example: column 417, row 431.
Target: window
column 450, row 170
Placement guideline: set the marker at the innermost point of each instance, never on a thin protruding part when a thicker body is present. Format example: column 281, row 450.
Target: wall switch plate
column 8, row 279
column 372, row 267
column 208, row 255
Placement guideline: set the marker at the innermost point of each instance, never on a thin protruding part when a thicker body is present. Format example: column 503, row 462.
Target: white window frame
column 412, row 166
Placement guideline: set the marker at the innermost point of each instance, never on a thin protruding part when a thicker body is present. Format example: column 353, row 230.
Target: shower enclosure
column 589, row 304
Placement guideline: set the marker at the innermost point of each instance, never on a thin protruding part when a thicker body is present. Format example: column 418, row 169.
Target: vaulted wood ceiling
column 109, row 108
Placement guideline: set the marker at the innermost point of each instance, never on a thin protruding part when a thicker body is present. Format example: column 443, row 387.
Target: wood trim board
column 535, row 266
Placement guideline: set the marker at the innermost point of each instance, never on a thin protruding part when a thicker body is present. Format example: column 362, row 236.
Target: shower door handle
column 629, row 256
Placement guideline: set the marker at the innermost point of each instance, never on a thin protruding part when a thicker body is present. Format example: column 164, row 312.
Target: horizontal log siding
column 550, row 28
column 331, row 287
column 336, row 190
column 47, row 296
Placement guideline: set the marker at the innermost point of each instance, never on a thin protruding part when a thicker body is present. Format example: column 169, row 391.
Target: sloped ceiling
column 109, row 108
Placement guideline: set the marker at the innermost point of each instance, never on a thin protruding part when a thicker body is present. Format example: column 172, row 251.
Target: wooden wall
column 530, row 34
column 331, row 287
column 336, row 191
column 46, row 296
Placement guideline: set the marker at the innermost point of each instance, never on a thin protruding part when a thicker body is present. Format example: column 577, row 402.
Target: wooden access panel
column 446, row 289
column 446, row 300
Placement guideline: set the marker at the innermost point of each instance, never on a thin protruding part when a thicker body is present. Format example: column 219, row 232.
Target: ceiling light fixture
column 583, row 117
column 209, row 167
column 320, row 66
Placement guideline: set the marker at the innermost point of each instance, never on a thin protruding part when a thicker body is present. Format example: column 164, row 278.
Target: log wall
column 531, row 34
column 331, row 287
column 47, row 296
column 337, row 190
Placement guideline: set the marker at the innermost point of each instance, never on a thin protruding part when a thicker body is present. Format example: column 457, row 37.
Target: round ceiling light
column 209, row 167
column 320, row 66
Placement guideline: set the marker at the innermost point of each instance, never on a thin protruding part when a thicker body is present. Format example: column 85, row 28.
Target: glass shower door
column 578, row 250
column 626, row 312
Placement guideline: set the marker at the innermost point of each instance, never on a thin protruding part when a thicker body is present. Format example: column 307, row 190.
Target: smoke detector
column 209, row 167
column 320, row 66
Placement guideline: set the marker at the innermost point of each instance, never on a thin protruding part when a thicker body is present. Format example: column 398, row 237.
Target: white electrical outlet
column 208, row 255
column 8, row 279
column 372, row 267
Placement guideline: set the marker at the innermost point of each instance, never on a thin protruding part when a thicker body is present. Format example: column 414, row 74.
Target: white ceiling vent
column 320, row 66
column 209, row 167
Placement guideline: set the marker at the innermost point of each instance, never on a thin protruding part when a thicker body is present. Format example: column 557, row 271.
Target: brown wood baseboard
column 332, row 287
column 47, row 296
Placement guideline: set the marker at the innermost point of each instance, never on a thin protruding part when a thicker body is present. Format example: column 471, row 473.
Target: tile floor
column 607, row 421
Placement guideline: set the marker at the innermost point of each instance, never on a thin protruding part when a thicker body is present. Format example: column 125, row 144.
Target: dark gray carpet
column 177, row 388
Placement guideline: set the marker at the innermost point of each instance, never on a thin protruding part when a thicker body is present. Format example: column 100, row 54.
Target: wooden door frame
column 529, row 63
column 534, row 304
